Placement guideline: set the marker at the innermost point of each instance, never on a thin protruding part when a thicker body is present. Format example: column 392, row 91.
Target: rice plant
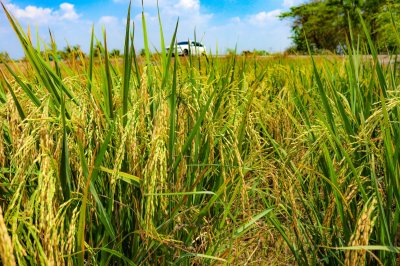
column 198, row 160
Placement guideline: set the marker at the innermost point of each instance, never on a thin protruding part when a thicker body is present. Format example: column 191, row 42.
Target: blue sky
column 220, row 24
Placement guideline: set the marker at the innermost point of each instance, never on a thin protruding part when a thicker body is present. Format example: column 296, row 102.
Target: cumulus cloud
column 38, row 14
column 263, row 17
column 67, row 11
column 43, row 15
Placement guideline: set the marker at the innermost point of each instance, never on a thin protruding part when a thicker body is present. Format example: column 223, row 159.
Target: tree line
column 75, row 52
column 68, row 53
column 332, row 24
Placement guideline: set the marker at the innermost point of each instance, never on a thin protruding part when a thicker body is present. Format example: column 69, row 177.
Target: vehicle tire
column 186, row 52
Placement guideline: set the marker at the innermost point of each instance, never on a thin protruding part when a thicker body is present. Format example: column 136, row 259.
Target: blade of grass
column 194, row 130
column 127, row 62
column 24, row 86
column 109, row 83
column 91, row 55
column 49, row 79
column 279, row 227
column 163, row 53
column 148, row 66
column 135, row 62
column 244, row 228
column 2, row 94
column 378, row 67
column 322, row 93
column 181, row 193
column 119, row 255
column 128, row 178
column 15, row 99
column 172, row 118
column 89, row 185
column 64, row 163
column 200, row 256
column 55, row 55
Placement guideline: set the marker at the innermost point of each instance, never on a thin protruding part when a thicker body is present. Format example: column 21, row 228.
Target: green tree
column 74, row 52
column 325, row 24
column 387, row 29
column 318, row 22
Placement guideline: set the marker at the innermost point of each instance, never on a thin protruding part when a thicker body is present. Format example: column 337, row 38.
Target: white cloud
column 290, row 3
column 68, row 11
column 38, row 14
column 43, row 15
column 105, row 20
column 263, row 17
column 64, row 22
column 188, row 4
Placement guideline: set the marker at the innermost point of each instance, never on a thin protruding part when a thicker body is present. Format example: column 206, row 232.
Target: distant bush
column 4, row 56
column 247, row 53
column 292, row 50
column 231, row 51
column 255, row 52
column 260, row 52
column 324, row 52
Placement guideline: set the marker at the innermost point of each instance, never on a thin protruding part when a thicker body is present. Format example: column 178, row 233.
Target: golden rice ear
column 6, row 249
column 360, row 237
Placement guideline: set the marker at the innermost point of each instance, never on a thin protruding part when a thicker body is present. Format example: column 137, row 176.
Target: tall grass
column 197, row 161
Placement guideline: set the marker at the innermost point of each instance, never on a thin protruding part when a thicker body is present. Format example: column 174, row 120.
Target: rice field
column 235, row 160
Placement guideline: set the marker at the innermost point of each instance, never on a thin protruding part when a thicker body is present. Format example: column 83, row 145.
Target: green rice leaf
column 244, row 228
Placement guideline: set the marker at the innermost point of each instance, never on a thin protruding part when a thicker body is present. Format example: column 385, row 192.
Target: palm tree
column 115, row 53
column 98, row 50
column 74, row 52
